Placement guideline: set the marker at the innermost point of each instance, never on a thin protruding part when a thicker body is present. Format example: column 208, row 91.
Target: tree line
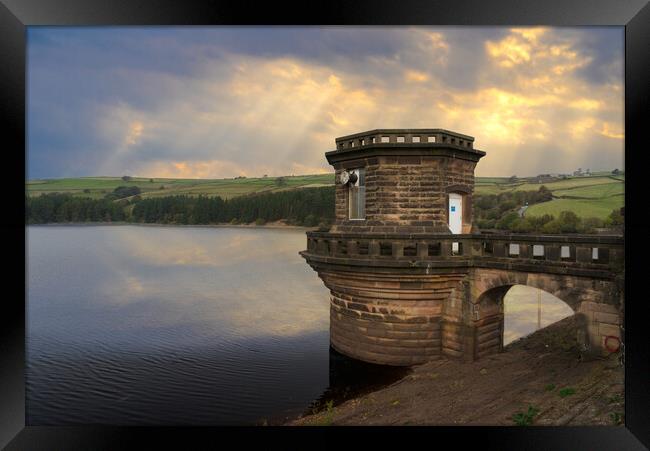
column 306, row 207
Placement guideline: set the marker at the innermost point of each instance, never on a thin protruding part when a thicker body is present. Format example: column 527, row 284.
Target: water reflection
column 528, row 309
column 166, row 325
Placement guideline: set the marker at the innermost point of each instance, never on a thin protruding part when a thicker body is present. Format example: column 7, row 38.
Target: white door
column 455, row 213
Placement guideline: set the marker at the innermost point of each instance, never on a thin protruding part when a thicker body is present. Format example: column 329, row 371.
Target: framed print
column 353, row 214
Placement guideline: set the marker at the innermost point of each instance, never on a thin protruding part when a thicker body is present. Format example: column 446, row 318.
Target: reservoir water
column 148, row 325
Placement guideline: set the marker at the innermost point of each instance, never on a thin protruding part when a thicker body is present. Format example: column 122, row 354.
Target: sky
column 220, row 102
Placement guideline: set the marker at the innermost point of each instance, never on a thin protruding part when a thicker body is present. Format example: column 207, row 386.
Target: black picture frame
column 16, row 15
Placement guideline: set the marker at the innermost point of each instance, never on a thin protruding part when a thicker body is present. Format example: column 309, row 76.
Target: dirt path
column 545, row 370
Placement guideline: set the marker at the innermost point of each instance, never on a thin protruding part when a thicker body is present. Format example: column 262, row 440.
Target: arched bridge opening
column 598, row 301
column 506, row 313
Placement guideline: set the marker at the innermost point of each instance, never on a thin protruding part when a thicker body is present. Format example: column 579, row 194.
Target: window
column 357, row 196
column 514, row 249
column 431, row 139
column 538, row 250
column 384, row 139
column 400, row 139
column 416, row 139
column 594, row 253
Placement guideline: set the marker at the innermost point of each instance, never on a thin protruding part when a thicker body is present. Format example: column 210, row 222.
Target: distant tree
column 615, row 171
column 126, row 178
column 507, row 205
column 522, row 225
column 162, row 187
column 506, row 222
column 123, row 191
column 150, row 180
column 86, row 190
column 543, row 194
column 589, row 225
column 513, row 178
column 310, row 220
column 569, row 222
column 281, row 181
column 553, row 226
column 538, row 222
column 615, row 218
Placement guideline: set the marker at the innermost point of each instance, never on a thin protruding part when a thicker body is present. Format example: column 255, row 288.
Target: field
column 97, row 187
column 594, row 196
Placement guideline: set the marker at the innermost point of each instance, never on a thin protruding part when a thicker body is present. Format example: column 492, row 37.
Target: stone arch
column 597, row 301
column 487, row 317
column 571, row 290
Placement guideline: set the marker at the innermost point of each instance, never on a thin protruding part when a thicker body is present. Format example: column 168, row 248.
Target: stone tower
column 408, row 176
column 402, row 196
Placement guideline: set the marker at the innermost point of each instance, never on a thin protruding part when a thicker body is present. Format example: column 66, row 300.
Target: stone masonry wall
column 388, row 319
column 404, row 193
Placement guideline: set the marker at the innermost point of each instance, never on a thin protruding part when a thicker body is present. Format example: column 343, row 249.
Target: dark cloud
column 122, row 99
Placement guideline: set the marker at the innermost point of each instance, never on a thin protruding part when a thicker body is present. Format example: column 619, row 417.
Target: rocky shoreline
column 541, row 379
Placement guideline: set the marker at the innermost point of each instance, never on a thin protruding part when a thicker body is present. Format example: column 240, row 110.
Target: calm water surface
column 190, row 325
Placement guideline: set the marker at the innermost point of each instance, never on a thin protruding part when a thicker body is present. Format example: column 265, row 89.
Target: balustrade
column 594, row 251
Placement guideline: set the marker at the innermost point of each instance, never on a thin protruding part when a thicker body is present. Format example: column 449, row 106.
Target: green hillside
column 98, row 187
column 593, row 196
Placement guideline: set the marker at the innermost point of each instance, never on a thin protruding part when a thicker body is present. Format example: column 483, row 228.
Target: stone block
column 605, row 308
column 552, row 253
column 609, row 318
column 609, row 329
column 583, row 254
column 499, row 249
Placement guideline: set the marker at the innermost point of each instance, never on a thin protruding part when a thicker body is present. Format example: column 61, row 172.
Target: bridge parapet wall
column 574, row 254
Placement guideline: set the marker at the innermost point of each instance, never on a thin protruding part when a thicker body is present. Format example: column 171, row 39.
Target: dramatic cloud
column 220, row 102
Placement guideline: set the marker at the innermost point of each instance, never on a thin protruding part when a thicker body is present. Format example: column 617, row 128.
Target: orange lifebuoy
column 618, row 343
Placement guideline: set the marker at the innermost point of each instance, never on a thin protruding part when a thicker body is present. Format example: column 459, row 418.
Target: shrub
column 507, row 205
column 590, row 224
column 553, row 226
column 505, row 223
column 522, row 225
column 310, row 220
column 567, row 391
column 614, row 219
column 260, row 221
column 539, row 221
column 525, row 419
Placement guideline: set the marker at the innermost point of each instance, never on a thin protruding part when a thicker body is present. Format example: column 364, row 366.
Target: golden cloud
column 283, row 113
